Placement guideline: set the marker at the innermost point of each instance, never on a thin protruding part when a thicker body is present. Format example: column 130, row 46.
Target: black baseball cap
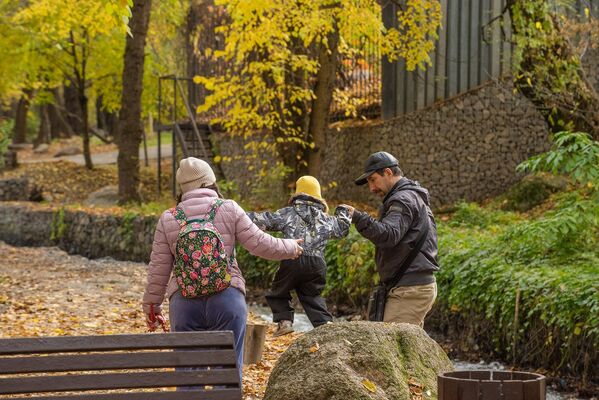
column 374, row 162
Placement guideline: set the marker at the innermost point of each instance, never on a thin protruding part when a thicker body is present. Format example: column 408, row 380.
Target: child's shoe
column 283, row 328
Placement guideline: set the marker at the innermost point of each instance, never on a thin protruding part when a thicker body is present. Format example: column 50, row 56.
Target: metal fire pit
column 491, row 385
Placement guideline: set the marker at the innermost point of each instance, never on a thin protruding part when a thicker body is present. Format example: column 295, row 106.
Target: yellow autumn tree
column 67, row 35
column 283, row 58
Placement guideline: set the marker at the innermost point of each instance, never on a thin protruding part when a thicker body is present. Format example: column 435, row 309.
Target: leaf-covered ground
column 66, row 182
column 46, row 292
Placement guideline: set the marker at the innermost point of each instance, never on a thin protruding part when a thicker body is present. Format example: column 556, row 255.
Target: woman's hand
column 155, row 320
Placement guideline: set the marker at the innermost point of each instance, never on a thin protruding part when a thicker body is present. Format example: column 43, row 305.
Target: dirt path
column 100, row 157
column 46, row 292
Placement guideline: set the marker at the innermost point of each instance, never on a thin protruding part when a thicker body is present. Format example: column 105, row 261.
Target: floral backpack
column 201, row 263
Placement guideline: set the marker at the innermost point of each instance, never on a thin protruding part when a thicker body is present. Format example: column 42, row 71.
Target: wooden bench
column 124, row 365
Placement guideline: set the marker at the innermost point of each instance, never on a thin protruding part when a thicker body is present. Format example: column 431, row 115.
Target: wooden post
column 253, row 343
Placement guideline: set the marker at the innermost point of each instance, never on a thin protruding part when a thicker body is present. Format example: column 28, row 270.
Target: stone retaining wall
column 123, row 237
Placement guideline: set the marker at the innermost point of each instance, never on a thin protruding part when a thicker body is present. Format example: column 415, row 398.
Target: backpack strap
column 181, row 218
column 179, row 215
column 212, row 212
column 210, row 217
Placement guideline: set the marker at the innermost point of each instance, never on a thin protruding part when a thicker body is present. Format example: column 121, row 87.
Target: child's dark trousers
column 307, row 276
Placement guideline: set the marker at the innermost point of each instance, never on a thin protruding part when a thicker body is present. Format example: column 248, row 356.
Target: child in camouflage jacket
column 305, row 218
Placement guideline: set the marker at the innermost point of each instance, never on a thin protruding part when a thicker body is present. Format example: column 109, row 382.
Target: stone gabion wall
column 590, row 61
column 241, row 165
column 464, row 148
column 123, row 237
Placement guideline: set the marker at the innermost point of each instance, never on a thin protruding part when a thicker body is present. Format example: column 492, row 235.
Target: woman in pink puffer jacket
column 225, row 310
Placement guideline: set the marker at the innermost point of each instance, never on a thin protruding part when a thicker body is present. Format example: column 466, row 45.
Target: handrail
column 192, row 118
column 181, row 139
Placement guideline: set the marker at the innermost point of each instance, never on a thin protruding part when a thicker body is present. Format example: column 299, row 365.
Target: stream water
column 302, row 324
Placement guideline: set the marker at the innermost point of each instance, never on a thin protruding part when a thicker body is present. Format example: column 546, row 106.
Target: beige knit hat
column 194, row 173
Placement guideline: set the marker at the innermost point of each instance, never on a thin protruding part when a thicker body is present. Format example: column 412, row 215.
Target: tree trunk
column 43, row 133
column 85, row 126
column 325, row 84
column 112, row 124
column 253, row 343
column 19, row 135
column 130, row 123
column 59, row 126
column 191, row 55
column 203, row 18
column 55, row 127
column 72, row 105
column 550, row 74
column 292, row 153
column 100, row 115
column 107, row 121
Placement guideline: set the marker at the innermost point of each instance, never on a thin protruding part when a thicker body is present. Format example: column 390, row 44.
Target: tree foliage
column 575, row 154
column 36, row 37
column 548, row 70
column 273, row 48
column 81, row 44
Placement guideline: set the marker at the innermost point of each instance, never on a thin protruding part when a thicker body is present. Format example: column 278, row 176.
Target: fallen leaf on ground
column 314, row 348
column 369, row 385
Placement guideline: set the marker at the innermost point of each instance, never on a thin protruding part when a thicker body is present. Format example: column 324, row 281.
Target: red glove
column 154, row 320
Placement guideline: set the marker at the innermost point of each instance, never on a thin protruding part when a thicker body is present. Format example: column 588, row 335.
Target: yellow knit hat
column 308, row 185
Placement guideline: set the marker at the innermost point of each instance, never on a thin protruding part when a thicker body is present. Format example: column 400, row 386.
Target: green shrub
column 268, row 191
column 575, row 154
column 5, row 134
column 551, row 264
column 531, row 191
column 33, row 125
column 229, row 190
column 351, row 270
column 256, row 271
column 571, row 228
column 472, row 215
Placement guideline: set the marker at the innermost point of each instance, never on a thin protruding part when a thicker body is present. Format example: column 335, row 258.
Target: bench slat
column 94, row 362
column 216, row 394
column 60, row 344
column 41, row 384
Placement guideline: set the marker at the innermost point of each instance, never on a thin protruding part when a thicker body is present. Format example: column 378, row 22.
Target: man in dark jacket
column 405, row 213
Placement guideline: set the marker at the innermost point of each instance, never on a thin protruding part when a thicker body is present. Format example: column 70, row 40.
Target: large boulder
column 42, row 148
column 359, row 360
column 68, row 151
column 107, row 196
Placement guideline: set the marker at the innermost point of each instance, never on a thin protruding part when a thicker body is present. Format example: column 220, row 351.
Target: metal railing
column 173, row 124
